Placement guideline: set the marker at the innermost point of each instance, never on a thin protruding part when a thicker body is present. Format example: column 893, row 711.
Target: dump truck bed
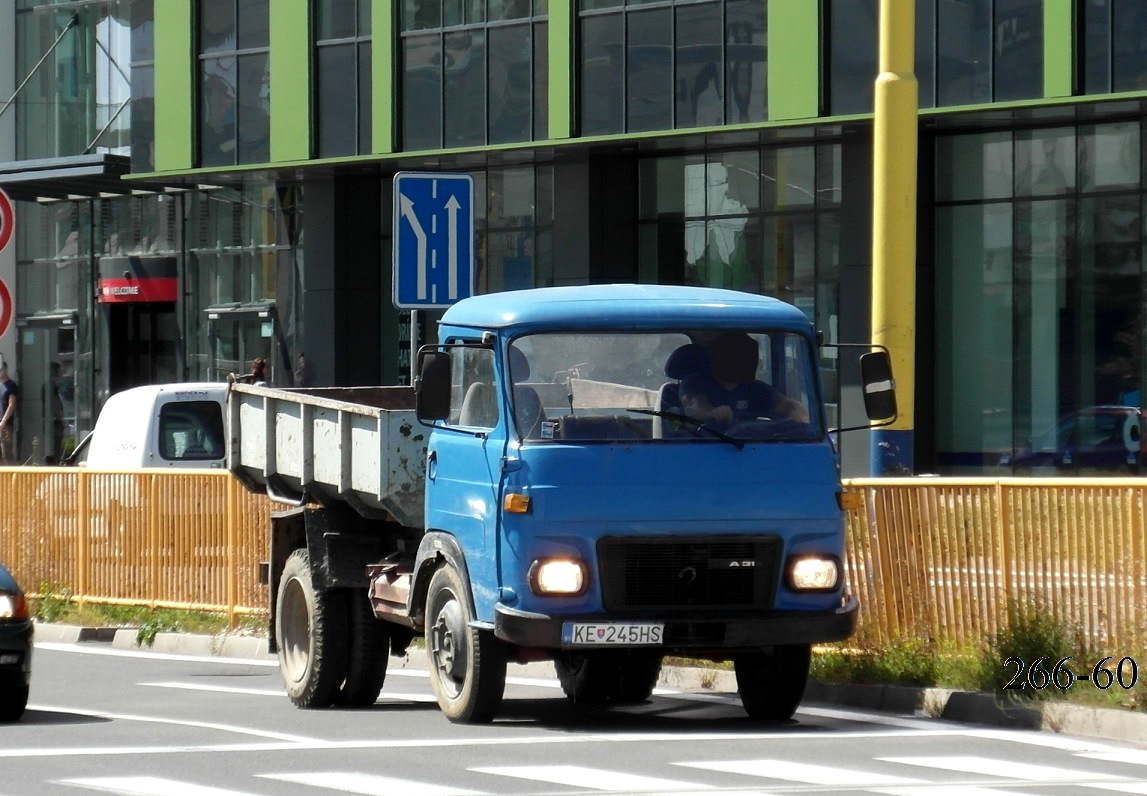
column 357, row 445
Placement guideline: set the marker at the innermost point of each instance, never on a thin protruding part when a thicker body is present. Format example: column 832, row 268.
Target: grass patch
column 54, row 605
column 1035, row 634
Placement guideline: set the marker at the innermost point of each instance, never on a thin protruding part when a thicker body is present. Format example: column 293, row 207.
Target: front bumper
column 693, row 633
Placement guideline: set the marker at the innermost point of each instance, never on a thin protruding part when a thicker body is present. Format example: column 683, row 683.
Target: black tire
column 467, row 666
column 13, row 698
column 367, row 657
column 772, row 684
column 600, row 678
column 639, row 675
column 311, row 627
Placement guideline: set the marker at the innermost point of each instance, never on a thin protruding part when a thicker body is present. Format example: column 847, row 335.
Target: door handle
column 431, row 465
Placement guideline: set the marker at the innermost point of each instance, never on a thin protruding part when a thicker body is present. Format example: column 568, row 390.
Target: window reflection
column 343, row 95
column 967, row 52
column 677, row 65
column 744, row 219
column 235, row 92
column 468, row 78
column 1039, row 310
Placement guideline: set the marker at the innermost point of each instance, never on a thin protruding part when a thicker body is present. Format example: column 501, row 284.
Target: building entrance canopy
column 76, row 177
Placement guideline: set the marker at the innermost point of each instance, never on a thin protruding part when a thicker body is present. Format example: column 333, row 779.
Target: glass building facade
column 717, row 142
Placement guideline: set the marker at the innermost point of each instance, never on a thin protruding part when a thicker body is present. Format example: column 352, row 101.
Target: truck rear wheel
column 369, row 648
column 311, row 627
column 467, row 666
column 772, row 684
column 607, row 677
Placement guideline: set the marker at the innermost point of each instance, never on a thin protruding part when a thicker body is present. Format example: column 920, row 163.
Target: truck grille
column 691, row 573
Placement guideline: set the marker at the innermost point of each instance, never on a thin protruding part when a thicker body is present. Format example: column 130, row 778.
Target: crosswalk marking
column 1136, row 757
column 150, row 786
column 1119, row 787
column 370, row 785
column 1009, row 769
column 593, row 778
column 984, row 772
column 943, row 790
column 808, row 773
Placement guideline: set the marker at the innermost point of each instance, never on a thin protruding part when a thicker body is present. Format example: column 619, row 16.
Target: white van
column 159, row 425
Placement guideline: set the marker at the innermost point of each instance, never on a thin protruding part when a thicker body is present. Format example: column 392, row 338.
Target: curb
column 938, row 703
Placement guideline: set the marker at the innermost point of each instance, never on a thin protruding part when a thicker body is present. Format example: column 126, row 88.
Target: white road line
column 595, row 778
column 387, row 696
column 205, row 725
column 370, row 785
column 220, row 689
column 1008, row 769
column 155, row 656
column 149, row 786
column 807, row 773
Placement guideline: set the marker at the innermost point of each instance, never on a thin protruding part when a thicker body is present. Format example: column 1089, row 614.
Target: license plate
column 631, row 634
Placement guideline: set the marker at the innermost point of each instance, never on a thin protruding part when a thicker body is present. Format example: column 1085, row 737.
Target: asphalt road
column 130, row 722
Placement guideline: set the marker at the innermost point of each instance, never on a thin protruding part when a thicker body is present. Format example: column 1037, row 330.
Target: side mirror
column 879, row 386
column 432, row 389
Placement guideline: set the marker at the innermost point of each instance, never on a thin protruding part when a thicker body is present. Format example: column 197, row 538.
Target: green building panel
column 561, row 61
column 793, row 59
column 1058, row 48
column 290, row 68
column 174, row 60
column 383, row 77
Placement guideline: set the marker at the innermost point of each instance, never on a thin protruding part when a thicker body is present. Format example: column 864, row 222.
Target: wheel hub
column 448, row 641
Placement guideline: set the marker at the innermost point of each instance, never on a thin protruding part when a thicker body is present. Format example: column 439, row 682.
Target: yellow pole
column 894, row 226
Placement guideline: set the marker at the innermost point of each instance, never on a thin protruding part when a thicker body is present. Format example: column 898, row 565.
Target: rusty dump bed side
column 357, row 445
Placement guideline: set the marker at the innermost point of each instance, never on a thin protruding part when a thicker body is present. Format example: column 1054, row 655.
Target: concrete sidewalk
column 945, row 704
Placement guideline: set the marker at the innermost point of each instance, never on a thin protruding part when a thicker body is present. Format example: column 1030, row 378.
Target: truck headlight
column 814, row 573
column 557, row 577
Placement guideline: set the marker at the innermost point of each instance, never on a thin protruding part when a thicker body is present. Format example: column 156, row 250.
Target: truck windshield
column 735, row 385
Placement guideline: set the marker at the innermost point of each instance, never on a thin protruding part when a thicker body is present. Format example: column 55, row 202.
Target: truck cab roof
column 622, row 306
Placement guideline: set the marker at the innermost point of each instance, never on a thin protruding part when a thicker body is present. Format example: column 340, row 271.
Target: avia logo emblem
column 742, row 564
column 689, row 574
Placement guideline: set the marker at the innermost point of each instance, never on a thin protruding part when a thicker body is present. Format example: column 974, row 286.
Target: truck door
column 464, row 470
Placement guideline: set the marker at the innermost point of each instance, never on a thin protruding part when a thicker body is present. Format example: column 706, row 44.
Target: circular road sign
column 7, row 220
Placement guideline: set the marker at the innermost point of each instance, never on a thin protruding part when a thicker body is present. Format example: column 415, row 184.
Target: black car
column 15, row 648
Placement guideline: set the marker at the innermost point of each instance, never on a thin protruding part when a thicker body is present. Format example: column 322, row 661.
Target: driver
column 730, row 392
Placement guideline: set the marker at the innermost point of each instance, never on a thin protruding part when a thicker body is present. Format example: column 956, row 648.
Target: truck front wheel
column 772, row 684
column 467, row 665
column 311, row 627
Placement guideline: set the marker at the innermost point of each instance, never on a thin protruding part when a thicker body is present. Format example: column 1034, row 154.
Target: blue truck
column 554, row 488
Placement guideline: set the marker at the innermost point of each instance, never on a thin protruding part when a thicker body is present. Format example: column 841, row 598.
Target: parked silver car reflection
column 1096, row 438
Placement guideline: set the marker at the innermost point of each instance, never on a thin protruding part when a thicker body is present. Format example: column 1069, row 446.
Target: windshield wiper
column 690, row 421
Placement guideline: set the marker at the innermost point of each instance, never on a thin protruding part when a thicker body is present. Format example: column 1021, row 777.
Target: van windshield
column 742, row 385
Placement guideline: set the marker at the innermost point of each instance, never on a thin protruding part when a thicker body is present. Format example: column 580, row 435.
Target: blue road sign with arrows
column 433, row 239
